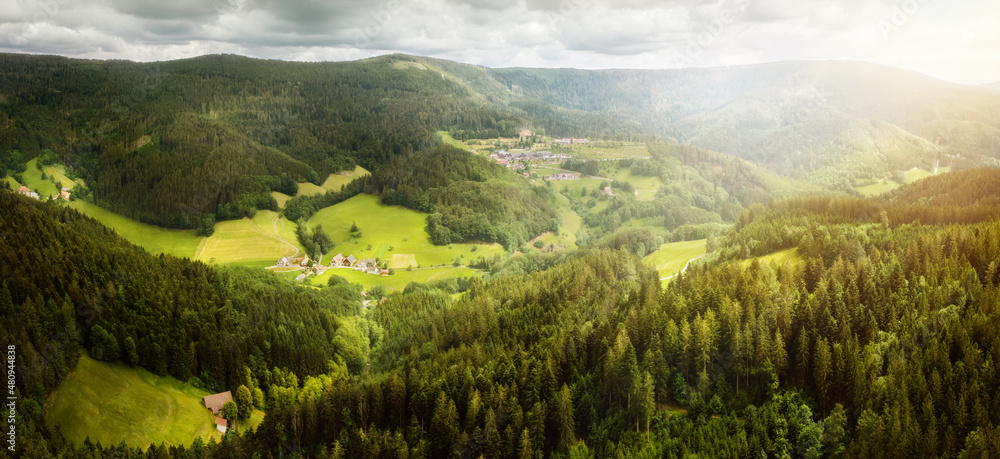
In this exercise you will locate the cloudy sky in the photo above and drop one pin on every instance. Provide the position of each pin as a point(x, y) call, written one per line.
point(956, 40)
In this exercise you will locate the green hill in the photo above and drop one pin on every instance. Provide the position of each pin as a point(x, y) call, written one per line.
point(112, 403)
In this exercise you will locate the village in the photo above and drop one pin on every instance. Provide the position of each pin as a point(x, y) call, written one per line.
point(367, 265)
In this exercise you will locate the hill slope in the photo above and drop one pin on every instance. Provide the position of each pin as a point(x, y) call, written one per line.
point(833, 121)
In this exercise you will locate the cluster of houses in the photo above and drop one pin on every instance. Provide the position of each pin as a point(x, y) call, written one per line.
point(64, 193)
point(515, 160)
point(214, 404)
point(367, 265)
point(562, 176)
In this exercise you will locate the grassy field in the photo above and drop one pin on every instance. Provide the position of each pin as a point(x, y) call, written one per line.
point(672, 257)
point(335, 181)
point(917, 174)
point(308, 189)
point(609, 150)
point(112, 403)
point(389, 231)
point(397, 281)
point(448, 139)
point(249, 241)
point(282, 198)
point(156, 240)
point(45, 188)
point(645, 186)
point(875, 189)
point(886, 185)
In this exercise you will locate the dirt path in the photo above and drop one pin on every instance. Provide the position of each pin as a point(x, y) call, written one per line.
point(682, 271)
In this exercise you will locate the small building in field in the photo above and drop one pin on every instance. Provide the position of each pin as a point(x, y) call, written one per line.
point(284, 262)
point(350, 261)
point(385, 272)
point(64, 194)
point(304, 262)
point(214, 402)
point(24, 190)
point(607, 192)
point(221, 424)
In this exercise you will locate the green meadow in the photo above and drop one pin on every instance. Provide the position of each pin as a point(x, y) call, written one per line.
point(309, 189)
point(448, 139)
point(335, 181)
point(645, 187)
point(875, 189)
point(608, 150)
point(671, 258)
point(387, 231)
point(154, 239)
point(398, 280)
point(913, 175)
point(251, 242)
point(112, 403)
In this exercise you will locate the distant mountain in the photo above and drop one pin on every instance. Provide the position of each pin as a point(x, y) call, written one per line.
point(828, 122)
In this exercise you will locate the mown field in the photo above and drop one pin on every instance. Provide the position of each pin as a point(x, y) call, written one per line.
point(335, 181)
point(252, 242)
point(390, 230)
point(607, 150)
point(156, 240)
point(113, 403)
point(671, 257)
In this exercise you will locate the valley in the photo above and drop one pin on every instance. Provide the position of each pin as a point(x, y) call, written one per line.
point(795, 259)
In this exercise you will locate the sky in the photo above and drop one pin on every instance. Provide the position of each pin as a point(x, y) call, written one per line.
point(955, 40)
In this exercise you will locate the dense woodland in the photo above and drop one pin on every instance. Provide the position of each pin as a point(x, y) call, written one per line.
point(170, 143)
point(469, 197)
point(880, 342)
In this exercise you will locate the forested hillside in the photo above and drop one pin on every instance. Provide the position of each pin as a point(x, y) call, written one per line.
point(69, 283)
point(703, 190)
point(829, 122)
point(171, 142)
point(469, 197)
point(879, 343)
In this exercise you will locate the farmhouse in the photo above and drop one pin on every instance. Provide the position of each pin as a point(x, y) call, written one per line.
point(214, 402)
point(221, 424)
point(27, 192)
point(338, 260)
point(284, 262)
point(350, 261)
point(607, 192)
point(64, 194)
point(304, 261)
